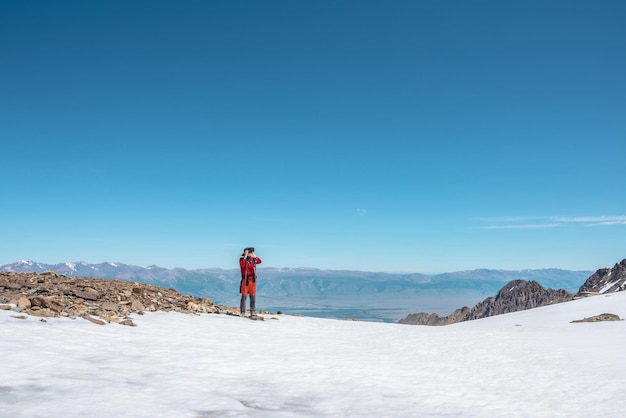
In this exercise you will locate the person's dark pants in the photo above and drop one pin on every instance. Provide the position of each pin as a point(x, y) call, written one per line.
point(242, 305)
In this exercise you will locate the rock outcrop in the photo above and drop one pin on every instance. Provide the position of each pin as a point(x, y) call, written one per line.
point(605, 281)
point(98, 300)
point(600, 318)
point(517, 295)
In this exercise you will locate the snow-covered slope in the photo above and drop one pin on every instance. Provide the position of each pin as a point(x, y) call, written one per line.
point(526, 364)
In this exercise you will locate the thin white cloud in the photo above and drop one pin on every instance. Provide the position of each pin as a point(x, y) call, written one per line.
point(609, 223)
point(361, 212)
point(594, 220)
point(531, 222)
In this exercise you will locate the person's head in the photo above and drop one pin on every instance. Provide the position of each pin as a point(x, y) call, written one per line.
point(248, 251)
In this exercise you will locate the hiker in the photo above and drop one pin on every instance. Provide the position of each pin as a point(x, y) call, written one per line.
point(248, 262)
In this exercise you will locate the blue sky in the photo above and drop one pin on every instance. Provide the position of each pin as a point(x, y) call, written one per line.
point(400, 136)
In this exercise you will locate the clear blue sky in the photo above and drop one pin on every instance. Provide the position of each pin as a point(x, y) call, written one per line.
point(400, 136)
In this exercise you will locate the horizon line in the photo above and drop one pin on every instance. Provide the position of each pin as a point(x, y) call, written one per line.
point(429, 274)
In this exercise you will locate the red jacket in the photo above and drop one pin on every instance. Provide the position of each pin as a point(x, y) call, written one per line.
point(249, 267)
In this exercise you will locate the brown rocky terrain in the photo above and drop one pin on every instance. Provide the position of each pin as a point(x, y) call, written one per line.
point(98, 300)
point(517, 295)
point(605, 280)
point(600, 318)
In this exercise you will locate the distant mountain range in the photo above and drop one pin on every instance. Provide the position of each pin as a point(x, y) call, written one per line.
point(210, 283)
point(307, 287)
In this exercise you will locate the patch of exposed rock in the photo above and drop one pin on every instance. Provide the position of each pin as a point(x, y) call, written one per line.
point(600, 318)
point(98, 300)
point(605, 281)
point(517, 295)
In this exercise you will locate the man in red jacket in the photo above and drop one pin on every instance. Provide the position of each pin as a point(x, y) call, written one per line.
point(248, 262)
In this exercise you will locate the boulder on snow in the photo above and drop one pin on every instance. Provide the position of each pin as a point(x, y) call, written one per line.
point(600, 318)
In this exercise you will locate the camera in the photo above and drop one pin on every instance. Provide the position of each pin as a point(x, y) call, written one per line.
point(249, 249)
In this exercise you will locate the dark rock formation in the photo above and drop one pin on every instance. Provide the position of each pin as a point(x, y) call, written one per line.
point(605, 280)
point(600, 318)
point(517, 295)
point(98, 300)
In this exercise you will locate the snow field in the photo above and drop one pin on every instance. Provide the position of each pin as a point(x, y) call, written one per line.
point(526, 364)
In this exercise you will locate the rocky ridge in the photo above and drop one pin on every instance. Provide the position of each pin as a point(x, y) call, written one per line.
point(517, 295)
point(98, 300)
point(606, 280)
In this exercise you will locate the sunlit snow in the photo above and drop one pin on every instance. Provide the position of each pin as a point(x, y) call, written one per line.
point(526, 364)
point(608, 286)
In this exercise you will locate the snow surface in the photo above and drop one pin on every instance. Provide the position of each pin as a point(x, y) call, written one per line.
point(526, 364)
point(608, 286)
